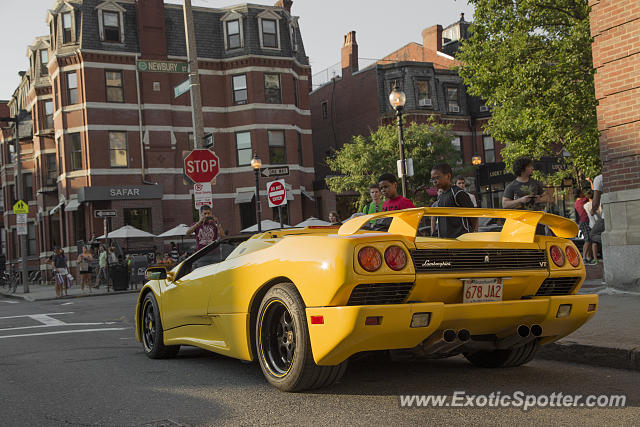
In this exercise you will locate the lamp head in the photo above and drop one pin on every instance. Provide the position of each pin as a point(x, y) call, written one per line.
point(397, 98)
point(256, 163)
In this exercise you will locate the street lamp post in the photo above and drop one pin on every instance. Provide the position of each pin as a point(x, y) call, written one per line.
point(397, 100)
point(476, 161)
point(256, 164)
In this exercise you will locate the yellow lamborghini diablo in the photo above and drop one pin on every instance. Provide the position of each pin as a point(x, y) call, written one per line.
point(302, 301)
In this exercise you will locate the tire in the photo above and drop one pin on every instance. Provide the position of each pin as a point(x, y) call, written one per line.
point(283, 346)
point(152, 335)
point(515, 356)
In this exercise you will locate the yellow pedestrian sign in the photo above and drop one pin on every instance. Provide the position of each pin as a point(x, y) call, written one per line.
point(20, 207)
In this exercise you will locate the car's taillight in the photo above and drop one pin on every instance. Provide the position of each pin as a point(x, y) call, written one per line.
point(572, 256)
point(557, 256)
point(369, 258)
point(395, 258)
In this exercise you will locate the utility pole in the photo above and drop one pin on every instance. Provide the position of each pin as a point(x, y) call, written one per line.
point(194, 78)
point(19, 192)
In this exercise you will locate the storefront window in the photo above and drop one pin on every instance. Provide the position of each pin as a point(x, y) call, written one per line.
point(139, 218)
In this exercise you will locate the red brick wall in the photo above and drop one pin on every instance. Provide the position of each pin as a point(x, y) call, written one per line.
point(615, 27)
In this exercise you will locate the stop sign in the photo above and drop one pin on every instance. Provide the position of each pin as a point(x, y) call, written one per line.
point(276, 193)
point(201, 165)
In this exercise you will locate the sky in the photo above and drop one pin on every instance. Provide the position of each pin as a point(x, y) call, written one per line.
point(381, 27)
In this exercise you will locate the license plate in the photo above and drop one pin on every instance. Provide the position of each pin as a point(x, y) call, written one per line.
point(482, 290)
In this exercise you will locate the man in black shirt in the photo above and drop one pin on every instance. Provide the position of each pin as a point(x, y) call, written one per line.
point(524, 192)
point(452, 197)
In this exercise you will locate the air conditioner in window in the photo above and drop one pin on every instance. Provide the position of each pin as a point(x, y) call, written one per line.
point(426, 102)
point(483, 108)
point(454, 108)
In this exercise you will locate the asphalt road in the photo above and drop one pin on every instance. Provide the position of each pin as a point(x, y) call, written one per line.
point(77, 363)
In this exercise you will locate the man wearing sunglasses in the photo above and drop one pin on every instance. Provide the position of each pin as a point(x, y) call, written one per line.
point(452, 197)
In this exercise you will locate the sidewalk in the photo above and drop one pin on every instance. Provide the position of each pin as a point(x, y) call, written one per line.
point(611, 338)
point(48, 292)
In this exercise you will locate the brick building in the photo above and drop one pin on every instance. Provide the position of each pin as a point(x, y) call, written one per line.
point(615, 27)
point(356, 103)
point(105, 135)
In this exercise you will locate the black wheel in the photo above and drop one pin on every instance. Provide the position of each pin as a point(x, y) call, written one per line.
point(283, 345)
point(151, 326)
point(504, 358)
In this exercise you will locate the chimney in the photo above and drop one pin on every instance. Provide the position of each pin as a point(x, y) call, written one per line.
point(432, 38)
point(285, 4)
point(151, 29)
point(350, 52)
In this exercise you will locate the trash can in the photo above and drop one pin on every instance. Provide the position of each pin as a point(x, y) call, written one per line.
point(119, 277)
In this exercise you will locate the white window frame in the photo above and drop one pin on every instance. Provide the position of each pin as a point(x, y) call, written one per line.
point(234, 89)
point(232, 16)
point(271, 16)
point(110, 6)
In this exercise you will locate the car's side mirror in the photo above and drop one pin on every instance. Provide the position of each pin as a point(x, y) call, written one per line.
point(155, 273)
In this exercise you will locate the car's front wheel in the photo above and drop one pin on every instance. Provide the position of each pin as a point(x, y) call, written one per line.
point(151, 327)
point(283, 344)
point(515, 356)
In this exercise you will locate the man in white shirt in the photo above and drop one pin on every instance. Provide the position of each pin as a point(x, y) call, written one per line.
point(597, 193)
point(460, 182)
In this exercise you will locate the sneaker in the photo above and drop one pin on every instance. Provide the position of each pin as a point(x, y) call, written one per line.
point(590, 261)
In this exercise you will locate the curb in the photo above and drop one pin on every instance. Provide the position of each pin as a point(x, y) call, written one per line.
point(608, 357)
point(30, 298)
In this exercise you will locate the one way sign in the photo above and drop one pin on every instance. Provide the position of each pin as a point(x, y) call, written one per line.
point(275, 171)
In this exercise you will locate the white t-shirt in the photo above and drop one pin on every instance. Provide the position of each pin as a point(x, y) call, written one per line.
point(592, 218)
point(597, 183)
point(473, 199)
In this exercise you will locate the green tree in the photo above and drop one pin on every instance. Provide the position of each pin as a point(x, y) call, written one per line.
point(530, 60)
point(360, 162)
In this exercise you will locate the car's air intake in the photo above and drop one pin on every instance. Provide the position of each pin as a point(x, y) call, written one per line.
point(557, 286)
point(439, 260)
point(380, 293)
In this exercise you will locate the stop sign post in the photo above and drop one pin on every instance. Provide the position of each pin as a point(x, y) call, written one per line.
point(277, 196)
point(201, 165)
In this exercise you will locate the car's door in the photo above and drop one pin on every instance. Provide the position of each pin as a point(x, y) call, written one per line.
point(184, 299)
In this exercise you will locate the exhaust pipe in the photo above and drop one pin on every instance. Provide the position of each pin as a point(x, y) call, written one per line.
point(445, 343)
point(536, 330)
point(464, 335)
point(520, 337)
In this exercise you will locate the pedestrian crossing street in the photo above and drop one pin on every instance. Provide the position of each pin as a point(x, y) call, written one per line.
point(40, 324)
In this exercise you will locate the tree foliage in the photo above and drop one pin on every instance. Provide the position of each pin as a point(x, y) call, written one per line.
point(359, 163)
point(530, 60)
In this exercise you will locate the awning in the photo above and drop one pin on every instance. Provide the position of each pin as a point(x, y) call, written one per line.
point(72, 205)
point(244, 196)
point(55, 209)
point(308, 195)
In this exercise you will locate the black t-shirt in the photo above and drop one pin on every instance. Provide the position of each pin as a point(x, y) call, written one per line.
point(452, 227)
point(517, 189)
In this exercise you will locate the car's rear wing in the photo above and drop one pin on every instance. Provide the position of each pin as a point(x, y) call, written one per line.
point(519, 226)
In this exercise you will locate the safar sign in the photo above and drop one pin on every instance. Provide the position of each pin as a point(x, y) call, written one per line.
point(119, 192)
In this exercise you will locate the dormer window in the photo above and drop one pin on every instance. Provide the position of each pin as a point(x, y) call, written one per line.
point(66, 27)
point(111, 22)
point(233, 30)
point(233, 34)
point(453, 103)
point(111, 25)
point(44, 60)
point(268, 23)
point(269, 34)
